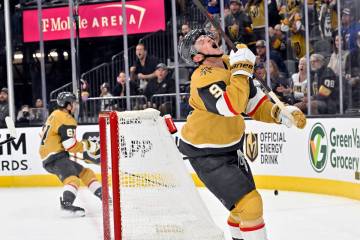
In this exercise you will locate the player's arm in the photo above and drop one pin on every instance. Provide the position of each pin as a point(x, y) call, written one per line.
point(223, 100)
point(87, 150)
point(259, 106)
point(67, 135)
point(230, 100)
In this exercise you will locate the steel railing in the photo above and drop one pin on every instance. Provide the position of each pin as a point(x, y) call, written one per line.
point(90, 109)
point(165, 103)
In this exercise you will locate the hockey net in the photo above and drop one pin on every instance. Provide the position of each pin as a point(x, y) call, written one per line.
point(147, 190)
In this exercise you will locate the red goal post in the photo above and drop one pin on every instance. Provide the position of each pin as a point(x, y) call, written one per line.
point(147, 190)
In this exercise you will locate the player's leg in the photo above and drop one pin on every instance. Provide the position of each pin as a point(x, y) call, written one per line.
point(228, 179)
point(88, 177)
point(65, 170)
point(249, 212)
point(234, 227)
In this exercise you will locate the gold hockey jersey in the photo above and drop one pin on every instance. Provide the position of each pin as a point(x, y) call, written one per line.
point(298, 44)
point(59, 135)
point(257, 15)
point(218, 99)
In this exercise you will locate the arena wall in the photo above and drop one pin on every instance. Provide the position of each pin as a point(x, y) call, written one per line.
point(323, 158)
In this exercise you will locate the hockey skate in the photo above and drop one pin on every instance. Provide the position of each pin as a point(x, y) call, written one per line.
point(70, 210)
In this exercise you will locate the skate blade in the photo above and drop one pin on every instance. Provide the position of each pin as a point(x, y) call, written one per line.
point(72, 214)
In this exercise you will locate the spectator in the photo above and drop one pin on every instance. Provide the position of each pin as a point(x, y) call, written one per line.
point(120, 90)
point(255, 9)
point(299, 81)
point(185, 107)
point(350, 28)
point(161, 85)
point(39, 103)
point(279, 84)
point(260, 75)
point(261, 56)
point(185, 28)
point(213, 6)
point(238, 24)
point(278, 40)
point(352, 76)
point(328, 19)
point(334, 62)
point(38, 112)
point(106, 104)
point(24, 116)
point(181, 5)
point(260, 72)
point(274, 16)
point(345, 27)
point(84, 90)
point(325, 95)
point(4, 106)
point(85, 107)
point(144, 68)
point(292, 25)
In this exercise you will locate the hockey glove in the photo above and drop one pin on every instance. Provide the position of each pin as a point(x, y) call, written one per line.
point(91, 153)
point(298, 118)
point(242, 61)
point(89, 158)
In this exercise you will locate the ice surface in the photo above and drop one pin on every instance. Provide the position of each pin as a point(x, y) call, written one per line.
point(33, 214)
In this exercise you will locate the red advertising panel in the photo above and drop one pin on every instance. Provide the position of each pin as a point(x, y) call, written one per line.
point(96, 20)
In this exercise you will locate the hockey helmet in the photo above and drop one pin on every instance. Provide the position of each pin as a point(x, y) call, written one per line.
point(186, 46)
point(65, 98)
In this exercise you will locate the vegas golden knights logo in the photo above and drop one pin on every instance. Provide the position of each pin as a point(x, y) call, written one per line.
point(251, 145)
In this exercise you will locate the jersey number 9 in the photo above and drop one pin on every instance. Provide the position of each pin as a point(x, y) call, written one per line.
point(216, 91)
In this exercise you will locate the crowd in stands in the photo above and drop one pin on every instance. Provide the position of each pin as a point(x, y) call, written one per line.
point(26, 115)
point(245, 23)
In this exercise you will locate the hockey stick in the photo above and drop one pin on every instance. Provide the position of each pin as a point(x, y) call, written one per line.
point(75, 157)
point(228, 41)
point(11, 128)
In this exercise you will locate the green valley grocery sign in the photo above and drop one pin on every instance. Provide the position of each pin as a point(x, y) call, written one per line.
point(340, 147)
point(318, 147)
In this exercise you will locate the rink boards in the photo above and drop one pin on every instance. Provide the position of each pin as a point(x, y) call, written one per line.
point(322, 158)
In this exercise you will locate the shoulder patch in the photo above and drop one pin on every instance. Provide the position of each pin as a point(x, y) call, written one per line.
point(205, 70)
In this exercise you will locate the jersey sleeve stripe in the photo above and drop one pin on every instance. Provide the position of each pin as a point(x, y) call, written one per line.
point(223, 108)
point(228, 103)
point(263, 99)
point(69, 143)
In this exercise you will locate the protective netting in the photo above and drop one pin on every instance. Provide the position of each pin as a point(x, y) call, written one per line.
point(158, 199)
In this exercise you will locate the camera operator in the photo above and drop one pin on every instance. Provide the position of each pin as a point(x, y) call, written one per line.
point(25, 115)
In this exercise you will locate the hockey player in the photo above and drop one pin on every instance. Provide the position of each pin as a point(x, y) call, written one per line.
point(58, 141)
point(220, 92)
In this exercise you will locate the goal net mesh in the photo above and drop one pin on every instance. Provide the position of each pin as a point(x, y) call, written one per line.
point(146, 177)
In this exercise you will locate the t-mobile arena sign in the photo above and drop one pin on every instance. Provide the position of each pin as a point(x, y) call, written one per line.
point(96, 20)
